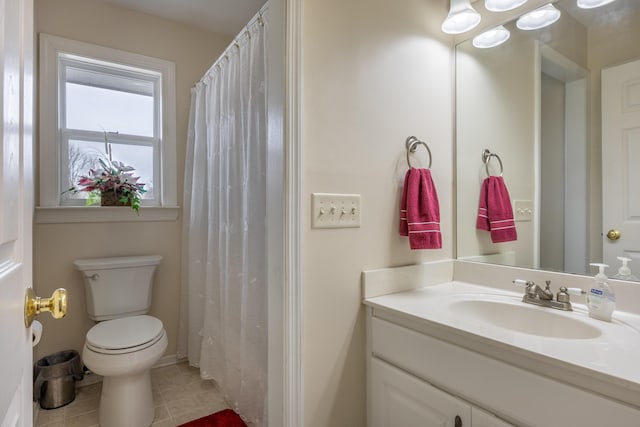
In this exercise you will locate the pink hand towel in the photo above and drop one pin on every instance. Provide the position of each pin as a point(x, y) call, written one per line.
point(404, 227)
point(499, 211)
point(482, 223)
point(422, 209)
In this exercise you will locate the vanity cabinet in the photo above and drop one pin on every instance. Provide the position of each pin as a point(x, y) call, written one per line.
point(399, 399)
point(421, 373)
point(480, 418)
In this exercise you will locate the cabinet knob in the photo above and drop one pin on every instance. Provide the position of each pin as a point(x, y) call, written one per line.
point(458, 421)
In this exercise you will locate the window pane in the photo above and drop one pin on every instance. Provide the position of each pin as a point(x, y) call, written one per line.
point(84, 155)
point(100, 107)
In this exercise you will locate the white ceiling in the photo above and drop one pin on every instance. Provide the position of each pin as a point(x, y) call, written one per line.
point(225, 17)
point(612, 12)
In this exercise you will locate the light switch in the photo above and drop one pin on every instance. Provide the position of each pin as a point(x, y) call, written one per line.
point(335, 210)
point(522, 210)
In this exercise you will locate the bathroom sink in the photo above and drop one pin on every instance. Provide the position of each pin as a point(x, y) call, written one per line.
point(526, 319)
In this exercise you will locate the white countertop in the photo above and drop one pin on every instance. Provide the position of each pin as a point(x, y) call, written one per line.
point(612, 358)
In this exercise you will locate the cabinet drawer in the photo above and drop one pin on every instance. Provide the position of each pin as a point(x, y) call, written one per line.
point(513, 393)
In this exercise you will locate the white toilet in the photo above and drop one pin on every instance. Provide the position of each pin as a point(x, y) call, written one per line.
point(126, 343)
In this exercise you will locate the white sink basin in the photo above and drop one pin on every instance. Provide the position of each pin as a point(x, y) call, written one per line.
point(524, 318)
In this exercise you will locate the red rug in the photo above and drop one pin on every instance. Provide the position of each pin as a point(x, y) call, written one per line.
point(224, 418)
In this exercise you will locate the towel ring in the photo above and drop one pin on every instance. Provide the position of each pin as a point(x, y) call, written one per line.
point(412, 144)
point(486, 158)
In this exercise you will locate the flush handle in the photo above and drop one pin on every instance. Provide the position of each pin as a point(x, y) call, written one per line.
point(34, 305)
point(613, 235)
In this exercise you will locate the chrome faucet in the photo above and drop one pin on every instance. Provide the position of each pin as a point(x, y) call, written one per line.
point(535, 295)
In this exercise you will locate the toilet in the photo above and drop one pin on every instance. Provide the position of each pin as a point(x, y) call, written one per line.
point(126, 342)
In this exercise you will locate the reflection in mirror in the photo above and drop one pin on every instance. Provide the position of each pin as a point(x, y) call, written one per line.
point(561, 107)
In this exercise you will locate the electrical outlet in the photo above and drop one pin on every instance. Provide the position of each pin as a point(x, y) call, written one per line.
point(522, 210)
point(335, 210)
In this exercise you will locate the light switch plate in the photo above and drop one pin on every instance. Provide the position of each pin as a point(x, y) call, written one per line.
point(335, 210)
point(522, 210)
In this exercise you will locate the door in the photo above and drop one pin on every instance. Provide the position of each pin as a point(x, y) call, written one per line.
point(16, 208)
point(620, 160)
point(400, 399)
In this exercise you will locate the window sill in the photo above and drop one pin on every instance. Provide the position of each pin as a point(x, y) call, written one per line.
point(79, 214)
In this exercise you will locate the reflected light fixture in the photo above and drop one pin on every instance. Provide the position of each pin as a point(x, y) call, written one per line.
point(538, 18)
point(590, 4)
point(491, 38)
point(503, 5)
point(462, 17)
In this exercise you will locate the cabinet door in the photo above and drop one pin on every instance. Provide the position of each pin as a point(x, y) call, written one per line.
point(402, 400)
point(481, 418)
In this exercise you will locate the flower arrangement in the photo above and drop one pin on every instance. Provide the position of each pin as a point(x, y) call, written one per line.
point(113, 184)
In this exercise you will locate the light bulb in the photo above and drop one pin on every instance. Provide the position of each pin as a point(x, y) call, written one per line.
point(590, 4)
point(538, 18)
point(462, 17)
point(502, 5)
point(491, 38)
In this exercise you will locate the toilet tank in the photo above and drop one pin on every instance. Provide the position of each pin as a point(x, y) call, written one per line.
point(118, 287)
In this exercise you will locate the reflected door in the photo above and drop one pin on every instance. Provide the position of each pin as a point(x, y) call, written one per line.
point(16, 209)
point(620, 160)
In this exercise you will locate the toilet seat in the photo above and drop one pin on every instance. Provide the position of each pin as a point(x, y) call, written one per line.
point(124, 335)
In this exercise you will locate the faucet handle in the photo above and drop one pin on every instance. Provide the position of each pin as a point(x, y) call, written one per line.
point(522, 282)
point(562, 295)
point(530, 287)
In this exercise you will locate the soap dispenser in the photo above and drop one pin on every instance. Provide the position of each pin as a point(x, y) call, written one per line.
point(624, 272)
point(601, 300)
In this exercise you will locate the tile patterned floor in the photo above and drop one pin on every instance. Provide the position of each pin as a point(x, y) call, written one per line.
point(178, 392)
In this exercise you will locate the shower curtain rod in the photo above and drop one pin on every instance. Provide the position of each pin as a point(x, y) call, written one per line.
point(234, 43)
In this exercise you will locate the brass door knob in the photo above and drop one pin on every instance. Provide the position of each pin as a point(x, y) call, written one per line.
point(613, 234)
point(34, 305)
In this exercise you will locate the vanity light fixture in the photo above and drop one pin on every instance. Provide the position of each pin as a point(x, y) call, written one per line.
point(462, 17)
point(590, 4)
point(538, 18)
point(502, 5)
point(491, 38)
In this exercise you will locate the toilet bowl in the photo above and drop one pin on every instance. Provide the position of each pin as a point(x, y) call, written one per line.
point(123, 352)
point(125, 343)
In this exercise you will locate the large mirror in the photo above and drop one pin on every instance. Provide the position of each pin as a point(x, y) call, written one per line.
point(559, 109)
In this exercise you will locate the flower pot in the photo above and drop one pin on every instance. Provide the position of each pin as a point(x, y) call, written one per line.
point(111, 198)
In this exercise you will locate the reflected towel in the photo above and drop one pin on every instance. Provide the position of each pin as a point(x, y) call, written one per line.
point(495, 205)
point(482, 223)
point(422, 209)
point(404, 227)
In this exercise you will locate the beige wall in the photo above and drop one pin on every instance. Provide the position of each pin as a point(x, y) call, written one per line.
point(552, 161)
point(57, 245)
point(374, 73)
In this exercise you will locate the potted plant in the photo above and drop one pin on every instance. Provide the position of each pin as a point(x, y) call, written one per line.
point(113, 184)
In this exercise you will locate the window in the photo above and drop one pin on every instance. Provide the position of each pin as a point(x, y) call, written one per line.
point(100, 103)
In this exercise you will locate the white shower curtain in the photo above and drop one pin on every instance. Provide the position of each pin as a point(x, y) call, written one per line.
point(223, 316)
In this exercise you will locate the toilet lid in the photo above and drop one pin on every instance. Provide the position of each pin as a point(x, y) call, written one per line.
point(124, 333)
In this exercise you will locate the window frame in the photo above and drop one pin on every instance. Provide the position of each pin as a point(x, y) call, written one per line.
point(53, 50)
